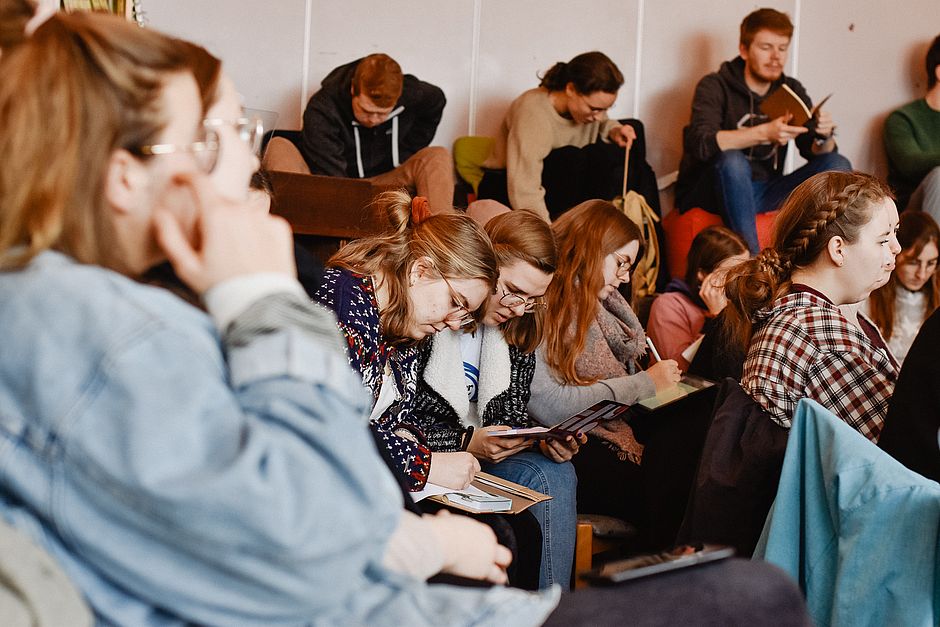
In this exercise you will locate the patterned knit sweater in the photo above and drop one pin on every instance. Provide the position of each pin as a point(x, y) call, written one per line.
point(352, 297)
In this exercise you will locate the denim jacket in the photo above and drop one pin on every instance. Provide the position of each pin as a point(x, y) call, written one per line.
point(182, 477)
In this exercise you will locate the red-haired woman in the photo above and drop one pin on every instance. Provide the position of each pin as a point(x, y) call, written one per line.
point(593, 341)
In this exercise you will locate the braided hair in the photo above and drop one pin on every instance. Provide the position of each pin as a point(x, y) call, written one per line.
point(827, 205)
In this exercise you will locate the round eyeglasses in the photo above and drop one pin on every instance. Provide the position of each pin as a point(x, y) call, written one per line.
point(623, 265)
point(460, 305)
point(512, 300)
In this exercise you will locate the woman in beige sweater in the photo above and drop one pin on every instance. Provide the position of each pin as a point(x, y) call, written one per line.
point(567, 111)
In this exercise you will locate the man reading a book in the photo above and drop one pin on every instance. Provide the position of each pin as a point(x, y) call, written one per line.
point(912, 141)
point(734, 153)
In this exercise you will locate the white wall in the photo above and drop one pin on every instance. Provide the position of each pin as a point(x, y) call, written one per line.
point(483, 53)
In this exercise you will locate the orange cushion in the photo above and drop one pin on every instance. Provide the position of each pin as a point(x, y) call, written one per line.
point(765, 228)
point(680, 230)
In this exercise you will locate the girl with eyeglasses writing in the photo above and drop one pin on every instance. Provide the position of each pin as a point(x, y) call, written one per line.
point(593, 344)
point(390, 292)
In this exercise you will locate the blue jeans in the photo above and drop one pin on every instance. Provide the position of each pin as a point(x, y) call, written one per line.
point(557, 516)
point(742, 198)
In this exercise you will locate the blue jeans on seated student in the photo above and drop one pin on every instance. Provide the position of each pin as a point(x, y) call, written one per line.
point(742, 198)
point(558, 516)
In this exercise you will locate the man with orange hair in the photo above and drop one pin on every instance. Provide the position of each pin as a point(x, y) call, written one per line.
point(370, 121)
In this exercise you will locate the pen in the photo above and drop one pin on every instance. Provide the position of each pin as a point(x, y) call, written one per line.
point(653, 350)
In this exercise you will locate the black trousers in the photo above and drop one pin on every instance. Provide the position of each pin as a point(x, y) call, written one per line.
point(570, 176)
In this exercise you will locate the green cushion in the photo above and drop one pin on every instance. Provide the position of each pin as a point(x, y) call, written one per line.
point(470, 152)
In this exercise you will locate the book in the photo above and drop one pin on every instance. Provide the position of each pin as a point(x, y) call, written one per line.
point(478, 500)
point(486, 493)
point(582, 422)
point(784, 101)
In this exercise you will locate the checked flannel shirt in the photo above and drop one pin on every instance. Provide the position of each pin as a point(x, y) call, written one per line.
point(803, 347)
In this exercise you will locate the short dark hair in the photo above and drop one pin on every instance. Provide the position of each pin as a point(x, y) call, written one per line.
point(379, 78)
point(933, 60)
point(765, 19)
point(589, 72)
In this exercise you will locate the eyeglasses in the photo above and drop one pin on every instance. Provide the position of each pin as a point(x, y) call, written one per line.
point(204, 151)
point(249, 129)
point(511, 300)
point(460, 304)
point(591, 106)
point(623, 265)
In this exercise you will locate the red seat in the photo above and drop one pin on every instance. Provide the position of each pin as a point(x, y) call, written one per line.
point(765, 228)
point(681, 228)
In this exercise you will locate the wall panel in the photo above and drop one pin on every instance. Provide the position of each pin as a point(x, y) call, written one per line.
point(869, 54)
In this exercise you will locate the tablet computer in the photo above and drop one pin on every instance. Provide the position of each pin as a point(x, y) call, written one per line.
point(688, 385)
point(656, 563)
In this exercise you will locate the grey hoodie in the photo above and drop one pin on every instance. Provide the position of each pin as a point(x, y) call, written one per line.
point(723, 102)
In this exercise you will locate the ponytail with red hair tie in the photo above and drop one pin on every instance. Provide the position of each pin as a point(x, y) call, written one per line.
point(420, 210)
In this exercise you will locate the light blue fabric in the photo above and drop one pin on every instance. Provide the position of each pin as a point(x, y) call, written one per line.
point(558, 516)
point(178, 479)
point(854, 527)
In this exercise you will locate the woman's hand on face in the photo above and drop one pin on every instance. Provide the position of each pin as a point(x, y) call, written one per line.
point(665, 374)
point(712, 292)
point(470, 548)
point(227, 238)
point(495, 449)
point(453, 470)
point(560, 451)
point(623, 135)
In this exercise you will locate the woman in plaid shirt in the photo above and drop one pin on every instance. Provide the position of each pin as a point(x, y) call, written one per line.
point(835, 242)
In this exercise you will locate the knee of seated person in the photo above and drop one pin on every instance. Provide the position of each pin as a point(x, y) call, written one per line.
point(435, 154)
point(830, 161)
point(733, 162)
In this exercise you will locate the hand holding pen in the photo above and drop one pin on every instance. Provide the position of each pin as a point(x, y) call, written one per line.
point(665, 372)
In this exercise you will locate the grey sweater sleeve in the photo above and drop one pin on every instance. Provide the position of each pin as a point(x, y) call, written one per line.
point(552, 401)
